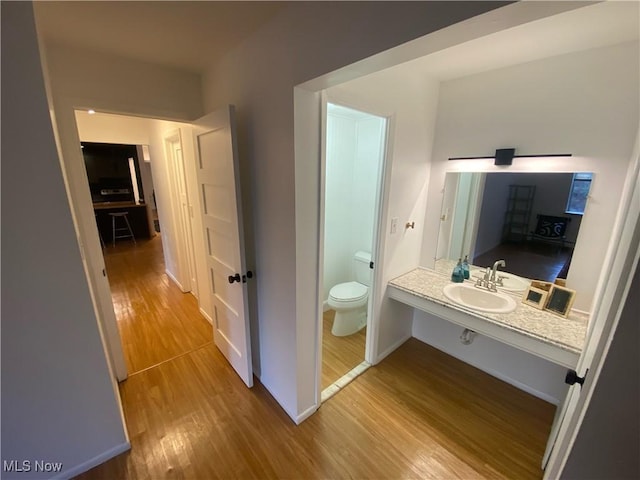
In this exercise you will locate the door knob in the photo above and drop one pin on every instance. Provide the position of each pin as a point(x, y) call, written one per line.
point(572, 378)
point(234, 278)
point(248, 275)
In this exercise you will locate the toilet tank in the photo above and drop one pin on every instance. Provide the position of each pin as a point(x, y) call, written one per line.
point(362, 272)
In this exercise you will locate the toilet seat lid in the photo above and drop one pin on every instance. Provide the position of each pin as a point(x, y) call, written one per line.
point(349, 291)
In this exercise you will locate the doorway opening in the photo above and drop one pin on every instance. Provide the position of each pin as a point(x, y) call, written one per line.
point(355, 145)
point(151, 273)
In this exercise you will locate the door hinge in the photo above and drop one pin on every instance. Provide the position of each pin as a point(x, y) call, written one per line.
point(572, 378)
point(371, 265)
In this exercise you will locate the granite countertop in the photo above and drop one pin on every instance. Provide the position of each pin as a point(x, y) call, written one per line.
point(566, 333)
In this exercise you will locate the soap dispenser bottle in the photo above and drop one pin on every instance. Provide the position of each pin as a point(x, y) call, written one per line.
point(457, 276)
point(465, 267)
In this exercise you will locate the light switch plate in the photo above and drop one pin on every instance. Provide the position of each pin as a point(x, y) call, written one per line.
point(394, 225)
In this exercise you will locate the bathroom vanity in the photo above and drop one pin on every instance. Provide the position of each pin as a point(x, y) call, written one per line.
point(538, 332)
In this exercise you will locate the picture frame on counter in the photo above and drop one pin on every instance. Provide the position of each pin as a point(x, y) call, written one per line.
point(551, 297)
point(560, 300)
point(535, 297)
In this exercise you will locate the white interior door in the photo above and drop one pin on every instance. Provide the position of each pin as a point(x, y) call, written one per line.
point(186, 213)
point(219, 190)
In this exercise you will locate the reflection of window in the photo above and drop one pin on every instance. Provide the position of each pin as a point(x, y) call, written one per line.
point(579, 191)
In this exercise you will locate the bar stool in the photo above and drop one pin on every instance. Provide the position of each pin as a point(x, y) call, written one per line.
point(99, 234)
point(126, 228)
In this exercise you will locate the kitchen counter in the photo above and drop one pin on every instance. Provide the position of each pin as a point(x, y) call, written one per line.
point(138, 219)
point(539, 332)
point(116, 205)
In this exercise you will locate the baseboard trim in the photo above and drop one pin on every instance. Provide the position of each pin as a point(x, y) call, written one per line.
point(205, 315)
point(306, 414)
point(391, 349)
point(175, 280)
point(296, 418)
point(93, 462)
point(291, 415)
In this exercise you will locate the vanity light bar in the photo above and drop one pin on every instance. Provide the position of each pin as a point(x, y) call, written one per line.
point(505, 156)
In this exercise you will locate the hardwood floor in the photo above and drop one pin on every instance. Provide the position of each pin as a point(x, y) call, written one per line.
point(418, 414)
point(340, 355)
point(156, 320)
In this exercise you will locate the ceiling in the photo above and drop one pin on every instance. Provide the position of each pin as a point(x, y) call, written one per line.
point(172, 33)
point(168, 33)
point(594, 26)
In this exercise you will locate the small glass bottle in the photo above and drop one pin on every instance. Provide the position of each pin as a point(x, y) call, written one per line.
point(457, 276)
point(465, 267)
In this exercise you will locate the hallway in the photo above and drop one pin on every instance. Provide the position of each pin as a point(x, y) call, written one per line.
point(157, 322)
point(418, 414)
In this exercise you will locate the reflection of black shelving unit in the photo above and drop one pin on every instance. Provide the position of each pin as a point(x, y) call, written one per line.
point(518, 214)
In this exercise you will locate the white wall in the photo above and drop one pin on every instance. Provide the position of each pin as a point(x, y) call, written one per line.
point(338, 234)
point(584, 103)
point(370, 151)
point(59, 401)
point(355, 147)
point(119, 85)
point(532, 374)
point(305, 40)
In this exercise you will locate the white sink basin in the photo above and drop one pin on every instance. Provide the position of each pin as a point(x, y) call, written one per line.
point(479, 299)
point(513, 283)
point(510, 282)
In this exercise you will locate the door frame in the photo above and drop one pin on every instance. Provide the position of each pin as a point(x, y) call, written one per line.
point(80, 204)
point(183, 236)
point(382, 201)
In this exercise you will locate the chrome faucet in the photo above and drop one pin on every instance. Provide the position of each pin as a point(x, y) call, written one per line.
point(494, 271)
point(491, 279)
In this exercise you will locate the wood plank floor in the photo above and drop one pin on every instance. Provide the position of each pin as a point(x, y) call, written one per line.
point(418, 414)
point(156, 320)
point(340, 355)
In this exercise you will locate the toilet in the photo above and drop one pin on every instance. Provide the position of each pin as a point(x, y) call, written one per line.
point(350, 299)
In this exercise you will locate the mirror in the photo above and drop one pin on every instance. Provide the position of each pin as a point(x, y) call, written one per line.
point(519, 217)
